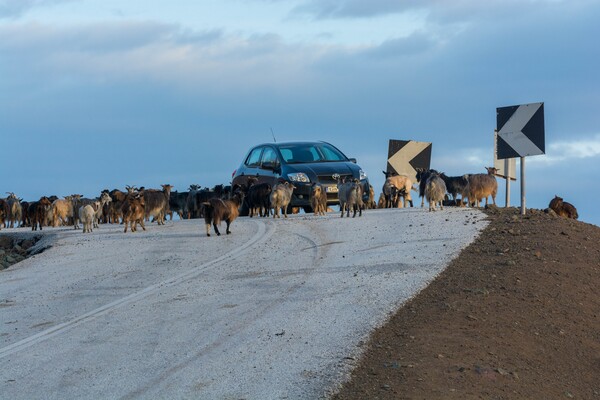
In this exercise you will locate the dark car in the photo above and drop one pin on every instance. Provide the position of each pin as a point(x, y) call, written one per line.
point(301, 163)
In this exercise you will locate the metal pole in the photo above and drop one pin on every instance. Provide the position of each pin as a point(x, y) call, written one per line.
point(507, 173)
point(523, 186)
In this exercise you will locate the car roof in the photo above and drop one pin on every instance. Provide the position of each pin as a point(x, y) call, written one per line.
point(291, 143)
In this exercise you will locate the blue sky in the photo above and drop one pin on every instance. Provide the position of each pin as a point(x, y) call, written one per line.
point(102, 94)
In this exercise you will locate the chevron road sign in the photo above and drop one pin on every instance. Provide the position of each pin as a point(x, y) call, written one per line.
point(405, 156)
point(520, 131)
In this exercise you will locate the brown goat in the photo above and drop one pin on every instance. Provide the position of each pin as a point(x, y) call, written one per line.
point(481, 186)
point(157, 203)
point(15, 210)
point(216, 210)
point(134, 211)
point(318, 199)
point(563, 208)
point(62, 210)
point(37, 212)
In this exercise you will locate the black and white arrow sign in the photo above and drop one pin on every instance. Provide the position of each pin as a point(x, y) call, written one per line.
point(405, 156)
point(520, 130)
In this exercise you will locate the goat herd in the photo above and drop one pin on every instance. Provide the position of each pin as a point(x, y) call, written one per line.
point(223, 203)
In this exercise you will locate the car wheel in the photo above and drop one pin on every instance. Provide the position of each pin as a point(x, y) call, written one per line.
point(307, 209)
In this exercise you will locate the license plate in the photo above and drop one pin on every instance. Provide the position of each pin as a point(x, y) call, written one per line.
point(331, 189)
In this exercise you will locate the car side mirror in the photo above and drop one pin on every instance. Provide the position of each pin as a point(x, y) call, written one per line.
point(272, 166)
point(352, 160)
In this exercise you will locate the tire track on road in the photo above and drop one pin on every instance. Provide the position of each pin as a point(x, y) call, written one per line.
point(264, 232)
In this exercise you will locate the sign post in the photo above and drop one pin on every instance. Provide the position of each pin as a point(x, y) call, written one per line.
point(521, 133)
point(507, 169)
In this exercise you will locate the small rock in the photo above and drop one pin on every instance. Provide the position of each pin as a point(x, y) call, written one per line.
point(5, 242)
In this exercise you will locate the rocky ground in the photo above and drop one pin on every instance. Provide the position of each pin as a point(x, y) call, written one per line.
point(15, 248)
point(515, 316)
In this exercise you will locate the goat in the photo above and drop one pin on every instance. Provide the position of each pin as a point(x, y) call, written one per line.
point(134, 211)
point(350, 195)
point(192, 205)
point(381, 201)
point(435, 191)
point(25, 220)
point(258, 199)
point(371, 204)
point(15, 210)
point(422, 176)
point(281, 196)
point(115, 207)
point(3, 213)
point(87, 215)
point(62, 210)
point(318, 199)
point(104, 200)
point(400, 182)
point(178, 204)
point(157, 203)
point(481, 186)
point(456, 185)
point(37, 212)
point(563, 208)
point(216, 210)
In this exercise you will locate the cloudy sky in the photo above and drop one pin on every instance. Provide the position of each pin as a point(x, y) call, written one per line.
point(101, 94)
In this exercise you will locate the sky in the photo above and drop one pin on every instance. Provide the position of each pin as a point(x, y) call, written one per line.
point(99, 94)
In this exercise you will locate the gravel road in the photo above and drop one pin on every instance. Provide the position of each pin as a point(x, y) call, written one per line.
point(277, 310)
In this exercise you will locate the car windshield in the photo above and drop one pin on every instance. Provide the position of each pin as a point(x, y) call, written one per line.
point(309, 153)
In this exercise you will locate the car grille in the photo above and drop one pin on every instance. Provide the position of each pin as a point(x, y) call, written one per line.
point(328, 179)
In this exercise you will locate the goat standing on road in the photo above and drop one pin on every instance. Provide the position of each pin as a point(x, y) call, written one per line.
point(216, 210)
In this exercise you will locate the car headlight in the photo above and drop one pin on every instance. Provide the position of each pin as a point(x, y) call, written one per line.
point(363, 174)
point(298, 177)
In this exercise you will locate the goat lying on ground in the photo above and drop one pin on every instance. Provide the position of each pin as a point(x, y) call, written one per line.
point(563, 208)
point(281, 197)
point(216, 210)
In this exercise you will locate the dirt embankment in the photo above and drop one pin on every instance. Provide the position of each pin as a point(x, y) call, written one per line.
point(515, 316)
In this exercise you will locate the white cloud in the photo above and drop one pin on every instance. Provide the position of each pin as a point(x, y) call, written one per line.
point(563, 151)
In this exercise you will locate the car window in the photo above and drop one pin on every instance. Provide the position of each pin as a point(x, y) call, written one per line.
point(253, 159)
point(269, 156)
point(331, 154)
point(286, 153)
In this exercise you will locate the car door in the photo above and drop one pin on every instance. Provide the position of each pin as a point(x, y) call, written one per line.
point(270, 165)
